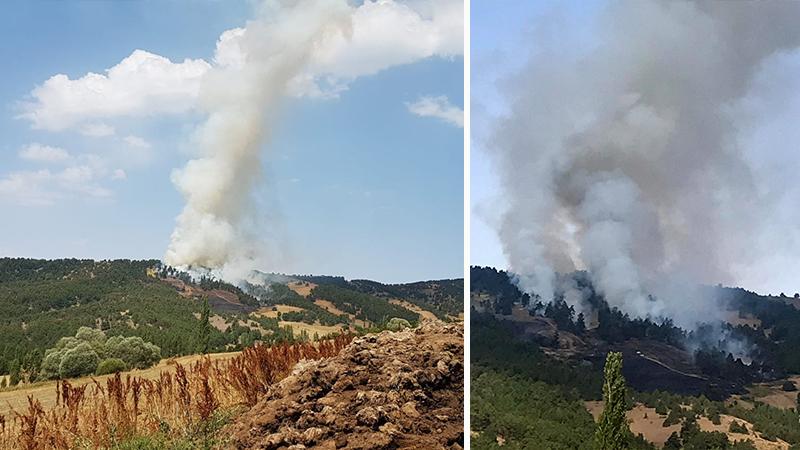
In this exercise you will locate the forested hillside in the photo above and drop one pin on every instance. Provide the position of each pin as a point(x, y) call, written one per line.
point(685, 391)
point(42, 301)
point(444, 298)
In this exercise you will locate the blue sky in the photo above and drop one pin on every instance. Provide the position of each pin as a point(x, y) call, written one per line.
point(356, 185)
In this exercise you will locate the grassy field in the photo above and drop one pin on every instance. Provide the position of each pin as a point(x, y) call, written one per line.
point(17, 398)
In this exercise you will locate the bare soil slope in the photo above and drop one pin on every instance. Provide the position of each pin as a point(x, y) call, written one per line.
point(390, 390)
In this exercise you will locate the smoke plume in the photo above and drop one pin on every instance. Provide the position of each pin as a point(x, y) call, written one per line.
point(626, 159)
point(241, 95)
point(295, 48)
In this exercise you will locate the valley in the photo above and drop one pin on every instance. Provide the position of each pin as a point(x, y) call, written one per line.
point(685, 390)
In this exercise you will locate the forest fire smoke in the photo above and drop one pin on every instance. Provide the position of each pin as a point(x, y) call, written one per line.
point(241, 95)
point(626, 159)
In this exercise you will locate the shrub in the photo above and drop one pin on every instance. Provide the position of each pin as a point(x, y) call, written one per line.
point(743, 445)
point(94, 337)
point(73, 356)
point(51, 363)
point(79, 361)
point(110, 365)
point(134, 351)
point(397, 324)
point(738, 427)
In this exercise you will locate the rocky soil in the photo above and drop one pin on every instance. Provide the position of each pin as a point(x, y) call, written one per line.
point(384, 391)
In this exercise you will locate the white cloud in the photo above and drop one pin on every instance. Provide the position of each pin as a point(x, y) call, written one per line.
point(387, 33)
point(98, 129)
point(136, 141)
point(43, 153)
point(141, 84)
point(383, 34)
point(438, 107)
point(43, 187)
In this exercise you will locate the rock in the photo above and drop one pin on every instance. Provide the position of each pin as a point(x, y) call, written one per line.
point(410, 409)
point(368, 416)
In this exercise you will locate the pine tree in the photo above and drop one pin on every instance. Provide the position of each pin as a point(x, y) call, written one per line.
point(674, 442)
point(580, 324)
point(204, 338)
point(612, 430)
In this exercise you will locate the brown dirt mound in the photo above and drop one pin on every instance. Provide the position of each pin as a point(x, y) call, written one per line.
point(383, 391)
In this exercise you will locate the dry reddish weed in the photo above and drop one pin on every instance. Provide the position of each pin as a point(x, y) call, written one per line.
point(101, 414)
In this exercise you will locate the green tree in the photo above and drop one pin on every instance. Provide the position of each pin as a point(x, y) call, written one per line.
point(613, 429)
point(133, 350)
point(14, 373)
point(674, 442)
point(110, 365)
point(204, 332)
point(81, 360)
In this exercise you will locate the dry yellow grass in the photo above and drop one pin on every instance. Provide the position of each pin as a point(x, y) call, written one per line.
point(331, 308)
point(423, 314)
point(181, 401)
point(267, 311)
point(651, 426)
point(303, 288)
point(754, 437)
point(748, 320)
point(45, 392)
point(642, 420)
point(775, 395)
point(321, 330)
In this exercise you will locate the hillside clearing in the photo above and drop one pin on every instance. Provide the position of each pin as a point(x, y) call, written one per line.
point(272, 311)
point(773, 394)
point(320, 330)
point(302, 288)
point(423, 314)
point(645, 421)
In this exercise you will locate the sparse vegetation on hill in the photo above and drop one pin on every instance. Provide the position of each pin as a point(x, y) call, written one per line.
point(526, 399)
point(42, 301)
point(441, 297)
point(362, 306)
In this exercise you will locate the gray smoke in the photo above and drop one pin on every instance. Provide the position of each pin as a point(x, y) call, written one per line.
point(625, 160)
point(241, 96)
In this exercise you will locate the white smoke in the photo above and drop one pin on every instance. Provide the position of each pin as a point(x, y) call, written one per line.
point(630, 153)
point(294, 48)
point(241, 97)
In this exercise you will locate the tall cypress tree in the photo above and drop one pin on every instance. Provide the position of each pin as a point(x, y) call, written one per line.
point(612, 430)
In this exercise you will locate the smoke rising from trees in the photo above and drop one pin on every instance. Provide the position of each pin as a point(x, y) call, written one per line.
point(629, 160)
